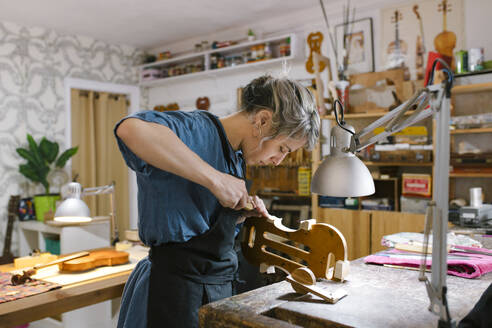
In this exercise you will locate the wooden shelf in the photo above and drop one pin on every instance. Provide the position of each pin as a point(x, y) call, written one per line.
point(205, 57)
point(470, 175)
point(281, 194)
point(396, 164)
point(468, 131)
point(470, 88)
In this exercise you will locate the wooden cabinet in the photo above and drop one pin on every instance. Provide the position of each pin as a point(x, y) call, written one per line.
point(470, 139)
point(386, 223)
point(363, 230)
point(354, 225)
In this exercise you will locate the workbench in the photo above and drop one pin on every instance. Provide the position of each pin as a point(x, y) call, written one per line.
point(61, 300)
point(377, 297)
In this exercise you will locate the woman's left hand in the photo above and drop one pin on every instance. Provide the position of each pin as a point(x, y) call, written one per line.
point(259, 209)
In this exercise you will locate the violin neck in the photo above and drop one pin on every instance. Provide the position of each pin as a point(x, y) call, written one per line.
point(444, 21)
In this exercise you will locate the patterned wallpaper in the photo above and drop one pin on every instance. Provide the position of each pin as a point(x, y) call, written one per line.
point(33, 64)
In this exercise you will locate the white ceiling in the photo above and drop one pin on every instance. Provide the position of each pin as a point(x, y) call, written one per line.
point(145, 23)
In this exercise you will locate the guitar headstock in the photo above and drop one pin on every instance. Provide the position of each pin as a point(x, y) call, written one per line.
point(396, 17)
point(416, 11)
point(13, 205)
point(444, 6)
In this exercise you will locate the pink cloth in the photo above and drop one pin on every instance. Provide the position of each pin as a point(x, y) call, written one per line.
point(466, 265)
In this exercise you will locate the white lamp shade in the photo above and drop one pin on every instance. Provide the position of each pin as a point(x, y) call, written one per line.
point(342, 176)
point(73, 210)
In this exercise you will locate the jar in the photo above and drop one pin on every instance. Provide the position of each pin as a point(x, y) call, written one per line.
point(198, 47)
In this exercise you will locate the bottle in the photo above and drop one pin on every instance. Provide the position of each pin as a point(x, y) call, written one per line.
point(268, 51)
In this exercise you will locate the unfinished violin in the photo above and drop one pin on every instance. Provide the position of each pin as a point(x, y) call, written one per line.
point(318, 246)
point(97, 258)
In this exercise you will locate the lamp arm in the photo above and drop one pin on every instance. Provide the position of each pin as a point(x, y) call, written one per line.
point(107, 189)
point(432, 95)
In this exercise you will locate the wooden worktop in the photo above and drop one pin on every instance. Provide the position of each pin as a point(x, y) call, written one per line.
point(377, 297)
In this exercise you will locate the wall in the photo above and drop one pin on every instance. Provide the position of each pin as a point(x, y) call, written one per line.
point(221, 89)
point(33, 64)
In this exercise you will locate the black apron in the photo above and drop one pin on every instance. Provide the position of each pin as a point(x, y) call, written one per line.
point(185, 276)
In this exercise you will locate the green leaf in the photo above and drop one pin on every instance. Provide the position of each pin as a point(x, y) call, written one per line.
point(62, 160)
point(49, 150)
point(24, 153)
point(29, 172)
point(33, 146)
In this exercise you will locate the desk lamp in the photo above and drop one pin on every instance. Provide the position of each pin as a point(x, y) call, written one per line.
point(342, 174)
point(74, 210)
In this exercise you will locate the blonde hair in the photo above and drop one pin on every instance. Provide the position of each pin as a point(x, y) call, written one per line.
point(293, 106)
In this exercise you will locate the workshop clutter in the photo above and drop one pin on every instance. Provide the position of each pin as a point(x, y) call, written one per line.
point(408, 145)
point(292, 177)
point(416, 185)
point(220, 54)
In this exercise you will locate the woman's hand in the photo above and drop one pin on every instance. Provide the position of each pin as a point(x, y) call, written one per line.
point(259, 210)
point(230, 191)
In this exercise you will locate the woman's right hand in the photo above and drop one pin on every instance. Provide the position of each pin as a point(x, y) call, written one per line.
point(230, 191)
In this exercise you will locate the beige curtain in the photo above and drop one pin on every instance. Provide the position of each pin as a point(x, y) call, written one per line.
point(98, 161)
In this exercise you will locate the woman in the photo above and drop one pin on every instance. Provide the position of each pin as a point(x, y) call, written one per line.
point(191, 192)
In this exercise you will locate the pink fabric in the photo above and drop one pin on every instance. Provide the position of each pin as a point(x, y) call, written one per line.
point(466, 265)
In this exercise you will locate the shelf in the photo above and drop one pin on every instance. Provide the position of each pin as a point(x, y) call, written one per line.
point(467, 131)
point(470, 175)
point(470, 88)
point(205, 57)
point(367, 163)
point(281, 194)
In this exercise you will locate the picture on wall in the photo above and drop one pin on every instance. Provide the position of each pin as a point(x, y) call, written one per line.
point(359, 45)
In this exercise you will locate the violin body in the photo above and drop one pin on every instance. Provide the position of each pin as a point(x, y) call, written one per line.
point(445, 42)
point(97, 258)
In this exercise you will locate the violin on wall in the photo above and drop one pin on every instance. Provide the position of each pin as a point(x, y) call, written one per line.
point(445, 41)
point(397, 49)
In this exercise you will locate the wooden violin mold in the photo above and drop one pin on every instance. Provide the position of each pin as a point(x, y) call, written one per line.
point(318, 246)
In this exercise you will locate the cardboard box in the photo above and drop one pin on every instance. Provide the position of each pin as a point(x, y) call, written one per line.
point(414, 204)
point(416, 185)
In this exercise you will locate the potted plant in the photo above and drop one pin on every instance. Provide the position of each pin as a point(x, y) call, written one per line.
point(43, 159)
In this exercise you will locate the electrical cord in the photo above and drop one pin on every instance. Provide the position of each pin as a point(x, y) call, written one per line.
point(342, 122)
point(446, 69)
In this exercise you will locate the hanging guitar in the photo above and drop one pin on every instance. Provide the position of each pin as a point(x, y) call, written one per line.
point(420, 47)
point(7, 256)
point(397, 49)
point(445, 41)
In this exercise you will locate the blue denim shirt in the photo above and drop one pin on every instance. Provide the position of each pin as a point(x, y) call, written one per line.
point(171, 208)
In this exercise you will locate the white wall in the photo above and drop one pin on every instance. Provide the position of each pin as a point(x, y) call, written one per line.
point(222, 89)
point(478, 25)
point(34, 62)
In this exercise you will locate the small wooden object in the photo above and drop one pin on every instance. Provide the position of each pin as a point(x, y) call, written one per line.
point(303, 282)
point(314, 41)
point(320, 245)
point(203, 103)
point(97, 258)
